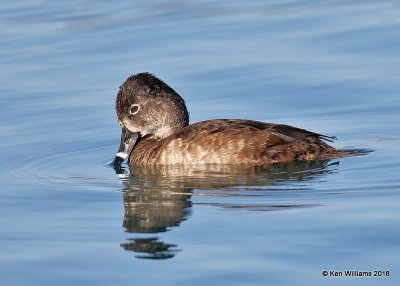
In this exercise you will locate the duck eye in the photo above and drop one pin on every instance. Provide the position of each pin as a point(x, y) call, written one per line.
point(134, 109)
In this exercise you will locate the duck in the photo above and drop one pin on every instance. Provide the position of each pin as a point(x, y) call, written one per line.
point(156, 131)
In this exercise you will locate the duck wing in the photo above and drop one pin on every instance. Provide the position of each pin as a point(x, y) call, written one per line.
point(286, 132)
point(297, 133)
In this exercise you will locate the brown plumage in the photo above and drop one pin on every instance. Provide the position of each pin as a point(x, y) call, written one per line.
point(156, 117)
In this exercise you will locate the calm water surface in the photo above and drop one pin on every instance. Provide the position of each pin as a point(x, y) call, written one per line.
point(67, 218)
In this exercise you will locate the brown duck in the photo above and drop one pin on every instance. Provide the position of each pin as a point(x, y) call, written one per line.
point(156, 131)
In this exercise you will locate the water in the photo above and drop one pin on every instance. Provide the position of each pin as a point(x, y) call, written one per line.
point(67, 218)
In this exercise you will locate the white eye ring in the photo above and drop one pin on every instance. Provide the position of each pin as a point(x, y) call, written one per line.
point(134, 109)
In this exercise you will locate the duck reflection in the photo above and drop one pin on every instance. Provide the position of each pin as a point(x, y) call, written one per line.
point(150, 248)
point(159, 198)
point(153, 209)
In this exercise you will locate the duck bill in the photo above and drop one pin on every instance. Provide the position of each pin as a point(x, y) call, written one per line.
point(128, 140)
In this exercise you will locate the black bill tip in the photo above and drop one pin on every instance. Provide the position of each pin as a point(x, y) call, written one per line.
point(118, 159)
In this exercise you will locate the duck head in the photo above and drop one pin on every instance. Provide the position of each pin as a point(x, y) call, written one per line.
point(147, 107)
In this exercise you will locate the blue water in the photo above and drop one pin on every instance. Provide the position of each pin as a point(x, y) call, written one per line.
point(67, 218)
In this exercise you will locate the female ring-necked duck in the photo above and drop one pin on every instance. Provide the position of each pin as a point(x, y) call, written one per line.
point(156, 131)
